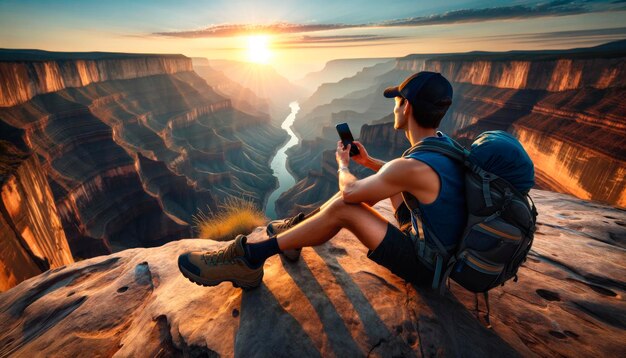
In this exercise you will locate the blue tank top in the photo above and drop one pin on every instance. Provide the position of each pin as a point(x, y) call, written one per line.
point(447, 215)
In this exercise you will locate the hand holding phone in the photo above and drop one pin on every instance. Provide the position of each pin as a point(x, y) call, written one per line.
point(346, 138)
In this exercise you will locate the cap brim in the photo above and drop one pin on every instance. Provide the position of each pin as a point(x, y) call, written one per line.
point(392, 92)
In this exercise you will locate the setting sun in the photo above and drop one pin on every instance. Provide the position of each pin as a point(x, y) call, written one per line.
point(258, 49)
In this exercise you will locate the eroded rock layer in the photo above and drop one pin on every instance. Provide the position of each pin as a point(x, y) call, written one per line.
point(569, 301)
point(132, 156)
point(31, 72)
point(31, 236)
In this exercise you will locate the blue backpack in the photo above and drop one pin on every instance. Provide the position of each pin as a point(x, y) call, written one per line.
point(501, 220)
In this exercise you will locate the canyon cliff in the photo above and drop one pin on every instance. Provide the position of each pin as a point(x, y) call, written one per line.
point(566, 107)
point(333, 302)
point(32, 237)
point(132, 146)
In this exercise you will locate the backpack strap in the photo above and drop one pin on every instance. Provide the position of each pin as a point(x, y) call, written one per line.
point(442, 259)
point(458, 153)
point(450, 149)
point(441, 252)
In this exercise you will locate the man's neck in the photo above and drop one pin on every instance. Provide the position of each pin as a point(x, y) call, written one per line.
point(416, 134)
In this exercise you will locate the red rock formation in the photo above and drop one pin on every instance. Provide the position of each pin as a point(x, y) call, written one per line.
point(538, 71)
point(383, 140)
point(333, 302)
point(31, 236)
point(48, 72)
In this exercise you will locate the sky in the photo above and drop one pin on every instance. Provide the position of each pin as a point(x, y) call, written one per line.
point(301, 35)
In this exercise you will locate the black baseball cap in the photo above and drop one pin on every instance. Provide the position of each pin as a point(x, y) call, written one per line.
point(423, 89)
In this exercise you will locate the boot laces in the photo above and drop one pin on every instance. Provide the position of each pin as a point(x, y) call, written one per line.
point(222, 256)
point(287, 223)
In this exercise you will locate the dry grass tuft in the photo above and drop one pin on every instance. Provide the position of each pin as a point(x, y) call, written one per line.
point(235, 216)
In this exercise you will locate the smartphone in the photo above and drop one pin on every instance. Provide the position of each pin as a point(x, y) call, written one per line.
point(346, 138)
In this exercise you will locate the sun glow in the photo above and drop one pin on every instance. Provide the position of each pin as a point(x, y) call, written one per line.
point(258, 49)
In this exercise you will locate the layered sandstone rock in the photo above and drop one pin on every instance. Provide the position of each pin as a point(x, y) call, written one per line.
point(31, 236)
point(133, 153)
point(29, 73)
point(555, 71)
point(333, 302)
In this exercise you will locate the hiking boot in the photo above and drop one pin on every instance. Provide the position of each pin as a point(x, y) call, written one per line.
point(210, 268)
point(276, 227)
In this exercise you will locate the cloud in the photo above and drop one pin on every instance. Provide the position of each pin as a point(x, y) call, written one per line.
point(336, 39)
point(619, 32)
point(227, 30)
point(556, 39)
point(552, 8)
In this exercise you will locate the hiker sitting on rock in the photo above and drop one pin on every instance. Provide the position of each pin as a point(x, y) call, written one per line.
point(421, 101)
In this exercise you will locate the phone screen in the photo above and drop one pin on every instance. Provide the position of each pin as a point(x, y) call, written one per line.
point(346, 138)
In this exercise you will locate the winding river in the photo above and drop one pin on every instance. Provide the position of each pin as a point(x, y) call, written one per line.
point(279, 163)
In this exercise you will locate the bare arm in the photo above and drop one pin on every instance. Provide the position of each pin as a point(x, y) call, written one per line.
point(393, 178)
point(374, 164)
point(365, 159)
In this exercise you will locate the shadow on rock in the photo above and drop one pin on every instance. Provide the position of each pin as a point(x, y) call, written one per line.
point(266, 329)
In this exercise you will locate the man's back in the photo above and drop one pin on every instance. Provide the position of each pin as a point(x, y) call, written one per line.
point(447, 214)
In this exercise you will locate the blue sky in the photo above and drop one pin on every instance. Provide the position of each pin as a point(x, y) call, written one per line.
point(311, 32)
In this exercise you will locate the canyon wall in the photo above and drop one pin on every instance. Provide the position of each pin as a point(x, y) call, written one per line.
point(133, 150)
point(566, 107)
point(554, 75)
point(32, 239)
point(44, 72)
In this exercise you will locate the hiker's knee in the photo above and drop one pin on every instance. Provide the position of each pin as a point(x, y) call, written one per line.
point(341, 211)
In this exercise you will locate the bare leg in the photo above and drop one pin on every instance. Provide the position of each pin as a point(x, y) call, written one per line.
point(394, 199)
point(363, 221)
point(329, 201)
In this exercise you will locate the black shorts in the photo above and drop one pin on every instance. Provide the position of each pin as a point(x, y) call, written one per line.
point(397, 252)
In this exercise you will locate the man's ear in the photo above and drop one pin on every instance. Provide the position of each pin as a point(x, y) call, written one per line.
point(407, 109)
